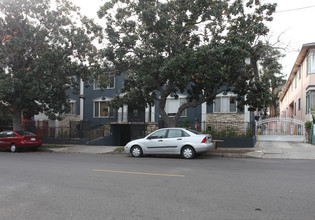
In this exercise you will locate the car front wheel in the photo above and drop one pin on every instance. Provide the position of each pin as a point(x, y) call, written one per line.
point(188, 152)
point(136, 151)
point(13, 148)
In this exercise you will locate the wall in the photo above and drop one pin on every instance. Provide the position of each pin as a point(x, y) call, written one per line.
point(227, 122)
point(294, 93)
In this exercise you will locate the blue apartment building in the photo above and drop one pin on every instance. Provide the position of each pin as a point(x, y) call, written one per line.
point(90, 107)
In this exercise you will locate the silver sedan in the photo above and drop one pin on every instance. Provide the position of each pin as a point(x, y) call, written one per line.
point(176, 141)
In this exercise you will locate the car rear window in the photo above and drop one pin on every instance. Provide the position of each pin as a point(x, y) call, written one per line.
point(25, 133)
point(192, 131)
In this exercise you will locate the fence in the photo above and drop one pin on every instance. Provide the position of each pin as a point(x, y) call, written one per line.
point(3, 128)
point(75, 130)
point(222, 129)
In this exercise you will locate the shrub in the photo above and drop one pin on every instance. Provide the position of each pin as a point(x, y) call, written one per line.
point(308, 125)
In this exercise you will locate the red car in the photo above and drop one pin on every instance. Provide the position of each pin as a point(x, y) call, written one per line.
point(15, 140)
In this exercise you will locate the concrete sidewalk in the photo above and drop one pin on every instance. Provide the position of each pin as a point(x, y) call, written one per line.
point(283, 150)
point(90, 149)
point(263, 150)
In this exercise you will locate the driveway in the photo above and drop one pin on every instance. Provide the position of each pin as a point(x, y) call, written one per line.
point(283, 150)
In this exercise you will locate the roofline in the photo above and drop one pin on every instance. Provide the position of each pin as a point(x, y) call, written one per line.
point(299, 60)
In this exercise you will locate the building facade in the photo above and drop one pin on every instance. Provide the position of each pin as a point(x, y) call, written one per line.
point(298, 97)
point(91, 107)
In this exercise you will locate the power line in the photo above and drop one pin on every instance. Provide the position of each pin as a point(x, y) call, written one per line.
point(295, 9)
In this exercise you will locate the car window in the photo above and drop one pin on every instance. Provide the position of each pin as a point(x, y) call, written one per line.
point(185, 134)
point(24, 133)
point(158, 134)
point(2, 134)
point(10, 134)
point(192, 131)
point(174, 133)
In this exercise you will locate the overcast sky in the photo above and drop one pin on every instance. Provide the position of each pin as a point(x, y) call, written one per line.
point(292, 23)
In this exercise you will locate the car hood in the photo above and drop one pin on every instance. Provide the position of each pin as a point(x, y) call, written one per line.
point(135, 141)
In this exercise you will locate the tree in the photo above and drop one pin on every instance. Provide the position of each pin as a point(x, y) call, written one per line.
point(43, 46)
point(193, 47)
point(262, 91)
point(273, 78)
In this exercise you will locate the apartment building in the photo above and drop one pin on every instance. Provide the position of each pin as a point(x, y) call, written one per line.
point(298, 97)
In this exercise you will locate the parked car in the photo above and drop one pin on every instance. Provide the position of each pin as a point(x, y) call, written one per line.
point(15, 140)
point(176, 141)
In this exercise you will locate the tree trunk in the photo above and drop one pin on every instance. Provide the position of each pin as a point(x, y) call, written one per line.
point(17, 119)
point(171, 123)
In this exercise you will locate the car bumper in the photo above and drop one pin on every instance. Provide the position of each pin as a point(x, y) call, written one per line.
point(127, 149)
point(29, 144)
point(204, 148)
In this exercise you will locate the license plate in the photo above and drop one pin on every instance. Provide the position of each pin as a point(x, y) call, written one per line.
point(33, 139)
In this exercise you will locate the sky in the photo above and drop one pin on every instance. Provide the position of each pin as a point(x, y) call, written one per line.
point(292, 24)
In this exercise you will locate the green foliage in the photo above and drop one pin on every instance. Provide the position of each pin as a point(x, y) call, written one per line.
point(229, 133)
point(308, 124)
point(42, 46)
point(119, 149)
point(63, 133)
point(185, 124)
point(263, 92)
point(189, 47)
point(5, 116)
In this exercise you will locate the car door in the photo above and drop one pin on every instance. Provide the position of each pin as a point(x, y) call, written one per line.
point(11, 137)
point(3, 143)
point(155, 142)
point(174, 141)
point(5, 136)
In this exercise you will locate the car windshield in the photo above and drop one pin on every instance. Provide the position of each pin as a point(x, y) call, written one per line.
point(25, 133)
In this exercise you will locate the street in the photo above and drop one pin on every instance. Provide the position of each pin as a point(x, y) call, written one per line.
point(44, 185)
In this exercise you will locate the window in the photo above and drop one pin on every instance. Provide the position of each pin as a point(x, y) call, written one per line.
point(310, 66)
point(158, 134)
point(73, 107)
point(174, 133)
point(294, 108)
point(295, 80)
point(307, 102)
point(299, 104)
point(102, 110)
point(224, 104)
point(111, 85)
point(310, 101)
point(299, 72)
point(172, 106)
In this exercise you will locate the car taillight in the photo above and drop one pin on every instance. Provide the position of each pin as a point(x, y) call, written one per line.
point(204, 140)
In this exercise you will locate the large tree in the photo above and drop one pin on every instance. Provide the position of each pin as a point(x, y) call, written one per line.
point(193, 47)
point(272, 76)
point(262, 91)
point(43, 45)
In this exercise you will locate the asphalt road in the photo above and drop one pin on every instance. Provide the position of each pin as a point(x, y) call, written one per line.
point(43, 185)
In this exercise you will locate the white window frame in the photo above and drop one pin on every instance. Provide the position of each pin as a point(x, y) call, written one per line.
point(229, 95)
point(73, 111)
point(168, 105)
point(96, 84)
point(310, 62)
point(110, 110)
point(73, 107)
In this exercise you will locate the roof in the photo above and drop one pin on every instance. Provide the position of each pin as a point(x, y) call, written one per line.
point(299, 60)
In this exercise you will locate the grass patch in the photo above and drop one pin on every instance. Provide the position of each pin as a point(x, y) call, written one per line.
point(119, 149)
point(52, 146)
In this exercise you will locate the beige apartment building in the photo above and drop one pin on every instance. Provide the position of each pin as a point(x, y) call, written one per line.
point(298, 97)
